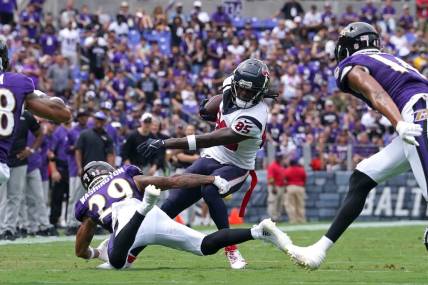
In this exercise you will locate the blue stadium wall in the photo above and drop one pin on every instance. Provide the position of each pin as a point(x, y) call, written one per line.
point(397, 199)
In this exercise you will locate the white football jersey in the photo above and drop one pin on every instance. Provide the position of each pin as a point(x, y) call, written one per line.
point(249, 122)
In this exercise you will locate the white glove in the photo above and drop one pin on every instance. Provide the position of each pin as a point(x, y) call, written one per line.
point(408, 131)
point(102, 250)
point(222, 185)
point(151, 197)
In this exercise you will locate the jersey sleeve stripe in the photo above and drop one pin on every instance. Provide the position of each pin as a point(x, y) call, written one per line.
point(254, 121)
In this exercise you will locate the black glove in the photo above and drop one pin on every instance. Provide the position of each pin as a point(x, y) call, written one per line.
point(204, 114)
point(150, 147)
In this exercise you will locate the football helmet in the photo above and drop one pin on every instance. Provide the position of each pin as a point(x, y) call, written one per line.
point(354, 37)
point(94, 172)
point(250, 82)
point(4, 57)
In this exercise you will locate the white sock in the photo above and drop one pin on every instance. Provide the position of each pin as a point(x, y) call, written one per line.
point(256, 233)
point(324, 243)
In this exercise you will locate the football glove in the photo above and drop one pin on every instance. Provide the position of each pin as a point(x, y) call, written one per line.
point(222, 185)
point(102, 250)
point(150, 147)
point(203, 113)
point(408, 131)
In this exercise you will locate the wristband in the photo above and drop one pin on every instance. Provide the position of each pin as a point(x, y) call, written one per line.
point(92, 255)
point(191, 140)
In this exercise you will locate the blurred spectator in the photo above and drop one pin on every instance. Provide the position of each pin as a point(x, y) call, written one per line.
point(68, 14)
point(7, 10)
point(94, 144)
point(388, 14)
point(363, 148)
point(328, 17)
point(295, 176)
point(290, 10)
point(49, 41)
point(69, 38)
point(276, 188)
point(348, 16)
point(369, 12)
point(58, 165)
point(60, 77)
point(135, 138)
point(219, 17)
point(30, 19)
point(406, 21)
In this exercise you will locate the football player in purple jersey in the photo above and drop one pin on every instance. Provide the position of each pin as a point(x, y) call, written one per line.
point(123, 202)
point(16, 93)
point(400, 93)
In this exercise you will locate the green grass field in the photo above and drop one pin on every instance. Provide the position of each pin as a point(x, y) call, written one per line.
point(393, 255)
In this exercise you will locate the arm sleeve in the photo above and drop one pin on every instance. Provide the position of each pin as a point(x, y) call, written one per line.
point(247, 126)
point(33, 124)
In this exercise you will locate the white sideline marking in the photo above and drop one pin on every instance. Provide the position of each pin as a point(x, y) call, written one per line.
point(288, 228)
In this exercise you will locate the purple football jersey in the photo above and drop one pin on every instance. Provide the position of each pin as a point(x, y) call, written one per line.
point(97, 202)
point(14, 88)
point(400, 80)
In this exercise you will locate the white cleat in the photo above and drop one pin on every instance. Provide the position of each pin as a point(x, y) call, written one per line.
point(271, 233)
point(309, 257)
point(235, 259)
point(108, 266)
point(102, 249)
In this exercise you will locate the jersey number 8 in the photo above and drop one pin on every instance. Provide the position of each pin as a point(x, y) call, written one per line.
point(7, 106)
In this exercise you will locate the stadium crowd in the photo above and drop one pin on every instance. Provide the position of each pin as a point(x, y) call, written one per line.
point(139, 74)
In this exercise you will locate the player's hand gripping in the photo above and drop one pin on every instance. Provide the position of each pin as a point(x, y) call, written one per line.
point(150, 147)
point(408, 131)
point(222, 185)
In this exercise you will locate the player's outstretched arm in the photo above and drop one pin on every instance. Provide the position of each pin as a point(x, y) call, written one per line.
point(362, 82)
point(83, 240)
point(186, 180)
point(222, 136)
point(52, 108)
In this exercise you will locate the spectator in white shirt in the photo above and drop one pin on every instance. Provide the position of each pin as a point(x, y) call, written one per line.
point(69, 38)
point(120, 26)
point(290, 83)
point(236, 49)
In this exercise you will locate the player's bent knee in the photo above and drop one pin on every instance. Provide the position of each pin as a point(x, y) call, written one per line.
point(117, 260)
point(360, 181)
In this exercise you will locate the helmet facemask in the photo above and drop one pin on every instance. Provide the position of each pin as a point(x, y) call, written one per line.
point(95, 172)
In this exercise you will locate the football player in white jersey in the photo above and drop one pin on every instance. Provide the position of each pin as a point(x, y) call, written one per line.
point(230, 150)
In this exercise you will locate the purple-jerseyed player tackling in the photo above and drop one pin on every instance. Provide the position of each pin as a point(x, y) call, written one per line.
point(123, 202)
point(400, 93)
point(16, 93)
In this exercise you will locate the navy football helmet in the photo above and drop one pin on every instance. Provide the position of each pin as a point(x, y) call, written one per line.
point(250, 82)
point(4, 57)
point(94, 172)
point(354, 37)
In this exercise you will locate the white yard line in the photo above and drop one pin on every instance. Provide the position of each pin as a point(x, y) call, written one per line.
point(288, 228)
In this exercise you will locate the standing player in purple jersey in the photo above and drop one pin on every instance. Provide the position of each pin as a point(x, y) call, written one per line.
point(16, 93)
point(400, 93)
point(123, 202)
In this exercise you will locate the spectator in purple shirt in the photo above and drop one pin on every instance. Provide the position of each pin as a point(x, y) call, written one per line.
point(406, 20)
point(369, 12)
point(363, 148)
point(388, 17)
point(327, 16)
point(219, 17)
point(49, 41)
point(7, 9)
point(349, 16)
point(30, 19)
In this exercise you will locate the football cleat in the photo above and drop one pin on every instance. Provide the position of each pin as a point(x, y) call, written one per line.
point(269, 232)
point(309, 257)
point(235, 258)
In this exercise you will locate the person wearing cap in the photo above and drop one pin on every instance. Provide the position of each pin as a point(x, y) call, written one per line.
point(75, 186)
point(94, 144)
point(134, 139)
